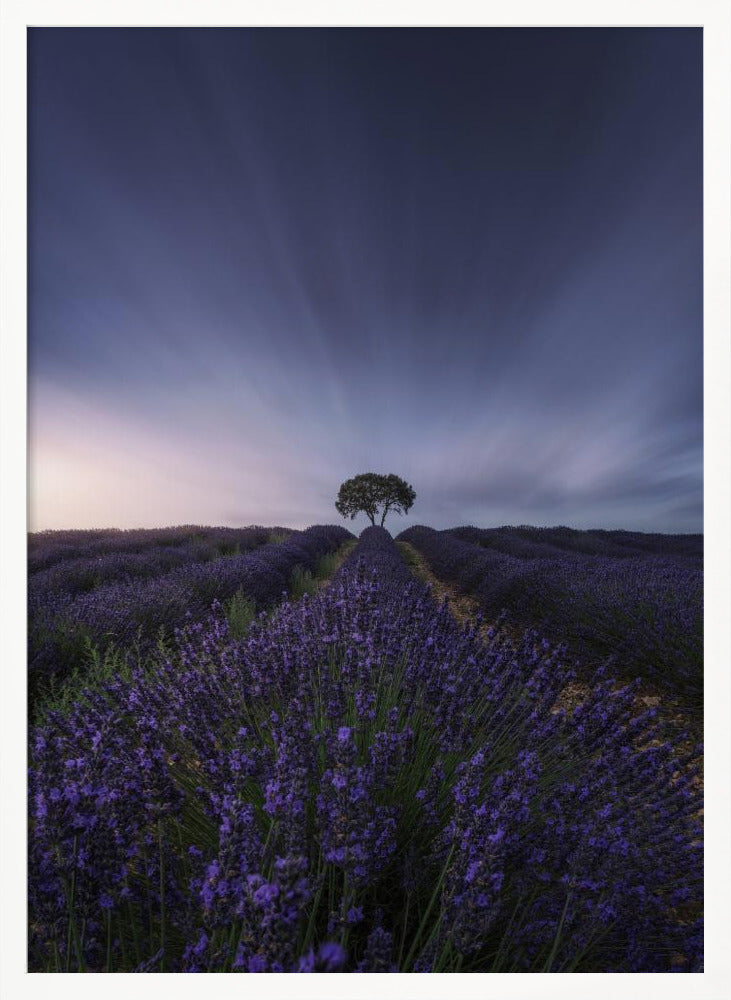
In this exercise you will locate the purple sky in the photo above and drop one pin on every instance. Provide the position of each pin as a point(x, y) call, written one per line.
point(262, 261)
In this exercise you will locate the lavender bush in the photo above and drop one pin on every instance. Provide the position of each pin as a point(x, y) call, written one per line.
point(360, 785)
point(645, 611)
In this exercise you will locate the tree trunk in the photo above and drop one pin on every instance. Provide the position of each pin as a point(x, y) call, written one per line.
point(373, 520)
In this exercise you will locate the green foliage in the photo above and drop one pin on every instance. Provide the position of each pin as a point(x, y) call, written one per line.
point(304, 582)
point(95, 670)
point(240, 612)
point(229, 549)
point(301, 582)
point(277, 537)
point(409, 556)
point(370, 493)
point(71, 646)
point(327, 565)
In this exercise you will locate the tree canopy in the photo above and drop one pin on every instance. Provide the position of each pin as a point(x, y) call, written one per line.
point(370, 493)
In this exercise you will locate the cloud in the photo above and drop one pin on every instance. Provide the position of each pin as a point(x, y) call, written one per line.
point(257, 270)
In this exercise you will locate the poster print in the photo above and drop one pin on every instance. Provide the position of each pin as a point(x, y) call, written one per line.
point(365, 565)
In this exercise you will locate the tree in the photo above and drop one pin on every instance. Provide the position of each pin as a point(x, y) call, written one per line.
point(368, 492)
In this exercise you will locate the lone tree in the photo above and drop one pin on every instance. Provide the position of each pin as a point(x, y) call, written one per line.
point(369, 492)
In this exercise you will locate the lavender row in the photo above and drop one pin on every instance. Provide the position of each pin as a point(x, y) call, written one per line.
point(48, 548)
point(75, 576)
point(545, 543)
point(646, 613)
point(377, 553)
point(360, 785)
point(507, 541)
point(125, 612)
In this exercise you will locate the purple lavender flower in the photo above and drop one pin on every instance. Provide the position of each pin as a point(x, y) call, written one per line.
point(361, 784)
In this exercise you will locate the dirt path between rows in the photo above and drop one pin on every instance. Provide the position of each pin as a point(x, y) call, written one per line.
point(464, 609)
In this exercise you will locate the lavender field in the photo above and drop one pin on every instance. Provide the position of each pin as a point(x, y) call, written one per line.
point(262, 750)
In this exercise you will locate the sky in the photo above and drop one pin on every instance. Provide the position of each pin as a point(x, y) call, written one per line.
point(264, 261)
